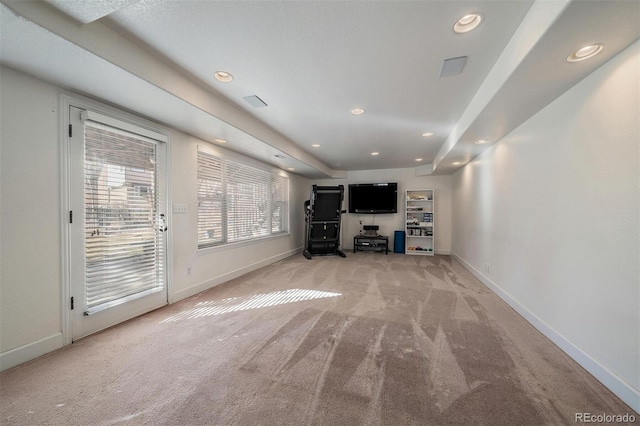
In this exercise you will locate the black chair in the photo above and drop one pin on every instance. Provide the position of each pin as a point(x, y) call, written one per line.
point(323, 212)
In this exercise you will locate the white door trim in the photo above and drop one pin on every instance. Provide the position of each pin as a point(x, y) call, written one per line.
point(67, 100)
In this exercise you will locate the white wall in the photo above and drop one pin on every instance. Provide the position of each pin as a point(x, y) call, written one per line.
point(389, 223)
point(31, 290)
point(549, 218)
point(30, 251)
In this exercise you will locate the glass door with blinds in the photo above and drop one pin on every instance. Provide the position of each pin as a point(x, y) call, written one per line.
point(117, 223)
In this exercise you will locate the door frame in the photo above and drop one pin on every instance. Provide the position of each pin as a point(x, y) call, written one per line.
point(72, 100)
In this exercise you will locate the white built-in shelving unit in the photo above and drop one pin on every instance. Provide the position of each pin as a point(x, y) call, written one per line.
point(419, 230)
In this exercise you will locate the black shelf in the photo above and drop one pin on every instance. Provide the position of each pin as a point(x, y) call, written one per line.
point(371, 243)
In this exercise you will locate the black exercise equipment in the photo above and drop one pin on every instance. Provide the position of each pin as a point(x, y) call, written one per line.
point(323, 212)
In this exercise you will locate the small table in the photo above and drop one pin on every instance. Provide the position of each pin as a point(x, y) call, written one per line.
point(373, 243)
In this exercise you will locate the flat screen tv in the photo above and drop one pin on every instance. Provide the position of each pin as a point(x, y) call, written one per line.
point(373, 198)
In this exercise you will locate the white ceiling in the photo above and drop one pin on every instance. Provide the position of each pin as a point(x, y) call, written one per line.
point(312, 62)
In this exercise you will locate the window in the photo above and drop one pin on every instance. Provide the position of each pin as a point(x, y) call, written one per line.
point(237, 202)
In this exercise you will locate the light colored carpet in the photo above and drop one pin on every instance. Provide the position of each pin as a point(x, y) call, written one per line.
point(366, 340)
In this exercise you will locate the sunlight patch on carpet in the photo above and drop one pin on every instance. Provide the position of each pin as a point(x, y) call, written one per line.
point(234, 304)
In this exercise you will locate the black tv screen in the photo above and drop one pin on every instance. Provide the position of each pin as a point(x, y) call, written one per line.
point(373, 198)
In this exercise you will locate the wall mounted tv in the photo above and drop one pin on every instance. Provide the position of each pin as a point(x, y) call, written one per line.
point(373, 198)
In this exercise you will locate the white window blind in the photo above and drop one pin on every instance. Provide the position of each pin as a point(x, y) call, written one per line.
point(279, 204)
point(123, 250)
point(247, 192)
point(237, 202)
point(210, 200)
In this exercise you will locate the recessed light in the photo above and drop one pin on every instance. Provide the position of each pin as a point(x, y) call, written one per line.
point(467, 23)
point(375, 153)
point(585, 53)
point(291, 169)
point(418, 159)
point(315, 145)
point(223, 76)
point(457, 163)
point(220, 140)
point(357, 111)
point(426, 135)
point(481, 141)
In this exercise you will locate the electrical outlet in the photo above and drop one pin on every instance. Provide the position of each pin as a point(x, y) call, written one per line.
point(188, 270)
point(487, 267)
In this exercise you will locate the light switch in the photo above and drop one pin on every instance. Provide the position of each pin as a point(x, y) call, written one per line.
point(179, 208)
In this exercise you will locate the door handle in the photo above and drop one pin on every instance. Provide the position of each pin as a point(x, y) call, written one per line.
point(162, 223)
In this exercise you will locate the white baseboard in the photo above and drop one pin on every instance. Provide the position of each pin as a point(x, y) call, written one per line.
point(30, 351)
point(442, 252)
point(624, 391)
point(206, 285)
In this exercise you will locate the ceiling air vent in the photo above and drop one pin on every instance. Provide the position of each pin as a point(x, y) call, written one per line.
point(255, 101)
point(453, 66)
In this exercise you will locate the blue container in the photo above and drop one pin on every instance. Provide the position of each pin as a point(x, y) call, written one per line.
point(398, 242)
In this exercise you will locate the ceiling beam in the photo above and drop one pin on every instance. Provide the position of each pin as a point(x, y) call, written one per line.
point(105, 43)
point(538, 20)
